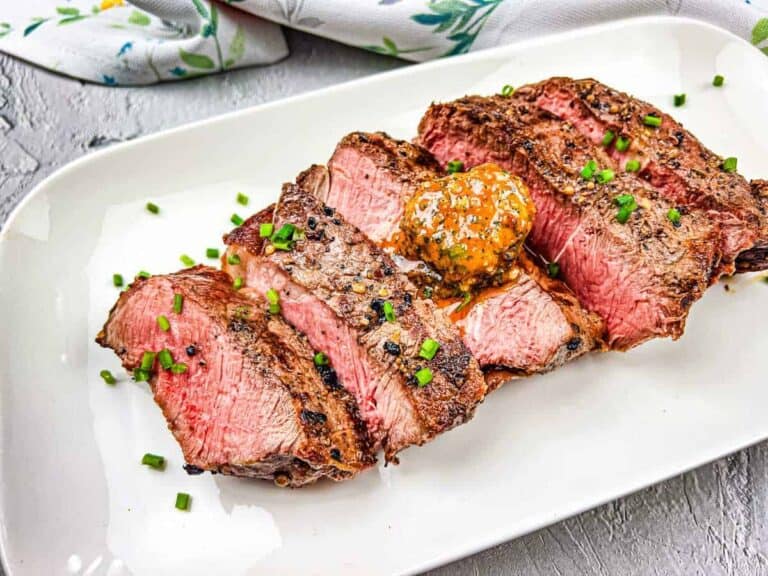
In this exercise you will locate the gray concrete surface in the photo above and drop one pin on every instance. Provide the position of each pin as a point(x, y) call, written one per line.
point(712, 521)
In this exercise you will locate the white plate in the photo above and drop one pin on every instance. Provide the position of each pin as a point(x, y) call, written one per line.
point(74, 497)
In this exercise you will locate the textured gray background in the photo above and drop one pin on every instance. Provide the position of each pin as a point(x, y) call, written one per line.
point(711, 521)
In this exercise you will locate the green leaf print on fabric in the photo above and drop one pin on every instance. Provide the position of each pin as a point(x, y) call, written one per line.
point(67, 11)
point(139, 19)
point(236, 48)
point(201, 9)
point(196, 60)
point(36, 23)
point(389, 48)
point(461, 20)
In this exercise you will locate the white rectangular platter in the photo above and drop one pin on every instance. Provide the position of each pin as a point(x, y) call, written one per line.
point(73, 497)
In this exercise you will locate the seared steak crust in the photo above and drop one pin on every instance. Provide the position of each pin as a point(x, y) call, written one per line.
point(251, 402)
point(343, 269)
point(640, 276)
point(673, 160)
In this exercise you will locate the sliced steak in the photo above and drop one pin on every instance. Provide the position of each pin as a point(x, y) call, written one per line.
point(672, 160)
point(251, 402)
point(531, 325)
point(371, 176)
point(333, 287)
point(640, 276)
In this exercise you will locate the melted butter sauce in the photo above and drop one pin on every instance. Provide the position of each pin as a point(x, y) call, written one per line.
point(469, 226)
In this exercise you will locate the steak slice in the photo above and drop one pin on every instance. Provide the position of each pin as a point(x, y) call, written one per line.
point(333, 286)
point(672, 160)
point(641, 276)
point(251, 402)
point(531, 325)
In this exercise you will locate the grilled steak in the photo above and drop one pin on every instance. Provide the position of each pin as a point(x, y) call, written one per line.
point(672, 160)
point(640, 275)
point(531, 325)
point(251, 402)
point(336, 287)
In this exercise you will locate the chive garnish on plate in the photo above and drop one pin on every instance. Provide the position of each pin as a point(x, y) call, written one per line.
point(242, 199)
point(153, 461)
point(186, 260)
point(152, 208)
point(236, 220)
point(178, 303)
point(108, 377)
point(182, 501)
point(212, 253)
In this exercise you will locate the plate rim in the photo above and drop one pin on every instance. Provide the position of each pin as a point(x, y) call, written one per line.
point(501, 535)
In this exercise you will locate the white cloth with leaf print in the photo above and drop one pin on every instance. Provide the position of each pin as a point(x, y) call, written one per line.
point(145, 41)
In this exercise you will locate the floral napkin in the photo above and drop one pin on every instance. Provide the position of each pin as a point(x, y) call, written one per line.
point(146, 41)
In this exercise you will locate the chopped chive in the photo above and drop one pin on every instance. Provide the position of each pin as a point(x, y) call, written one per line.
point(679, 100)
point(608, 138)
point(507, 90)
point(282, 245)
point(718, 81)
point(108, 377)
point(233, 259)
point(285, 233)
point(162, 321)
point(266, 229)
point(165, 358)
point(242, 199)
point(429, 348)
point(651, 120)
point(428, 292)
point(179, 368)
point(273, 298)
point(605, 176)
point(143, 274)
point(140, 375)
point(632, 166)
point(589, 170)
point(622, 144)
point(178, 303)
point(238, 283)
point(627, 204)
point(236, 220)
point(454, 166)
point(389, 311)
point(212, 253)
point(729, 164)
point(182, 501)
point(147, 361)
point(117, 280)
point(320, 359)
point(153, 461)
point(674, 216)
point(186, 260)
point(153, 208)
point(466, 299)
point(553, 269)
point(423, 377)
